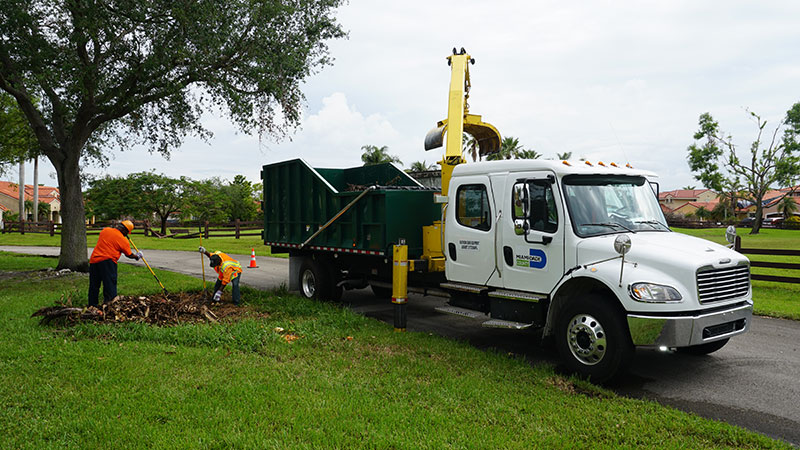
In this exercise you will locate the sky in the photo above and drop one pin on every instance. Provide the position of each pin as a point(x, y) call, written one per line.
point(621, 81)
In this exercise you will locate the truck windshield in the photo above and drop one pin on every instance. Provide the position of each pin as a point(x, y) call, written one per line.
point(604, 204)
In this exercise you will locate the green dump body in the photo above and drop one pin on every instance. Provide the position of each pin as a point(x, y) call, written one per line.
point(299, 199)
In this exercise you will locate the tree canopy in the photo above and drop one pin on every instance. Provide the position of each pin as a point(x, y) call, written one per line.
point(421, 166)
point(773, 159)
point(240, 195)
point(114, 73)
point(16, 137)
point(511, 148)
point(373, 154)
point(145, 195)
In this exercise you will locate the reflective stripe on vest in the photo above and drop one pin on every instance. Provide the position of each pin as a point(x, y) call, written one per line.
point(225, 265)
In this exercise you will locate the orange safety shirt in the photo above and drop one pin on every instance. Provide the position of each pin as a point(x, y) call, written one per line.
point(228, 269)
point(110, 245)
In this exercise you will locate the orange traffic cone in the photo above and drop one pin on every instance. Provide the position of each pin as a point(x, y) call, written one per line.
point(252, 259)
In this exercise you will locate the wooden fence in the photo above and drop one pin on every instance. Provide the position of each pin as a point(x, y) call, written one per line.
point(235, 229)
point(770, 264)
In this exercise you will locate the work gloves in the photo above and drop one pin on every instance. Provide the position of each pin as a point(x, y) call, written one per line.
point(217, 296)
point(202, 250)
point(139, 255)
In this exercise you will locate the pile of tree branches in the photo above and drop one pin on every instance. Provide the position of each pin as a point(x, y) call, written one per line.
point(157, 310)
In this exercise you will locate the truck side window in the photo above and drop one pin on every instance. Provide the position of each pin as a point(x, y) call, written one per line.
point(543, 215)
point(472, 207)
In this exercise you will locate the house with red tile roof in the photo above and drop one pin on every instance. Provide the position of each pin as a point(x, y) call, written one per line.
point(9, 198)
point(687, 201)
point(773, 198)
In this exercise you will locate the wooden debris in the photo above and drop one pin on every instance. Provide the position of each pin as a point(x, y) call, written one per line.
point(157, 309)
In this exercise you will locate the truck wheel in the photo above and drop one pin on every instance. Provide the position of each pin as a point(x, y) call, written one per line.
point(314, 281)
point(704, 349)
point(592, 338)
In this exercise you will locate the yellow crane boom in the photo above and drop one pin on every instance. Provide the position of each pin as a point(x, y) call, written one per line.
point(460, 121)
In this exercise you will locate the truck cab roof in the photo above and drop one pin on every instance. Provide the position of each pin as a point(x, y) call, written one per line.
point(560, 168)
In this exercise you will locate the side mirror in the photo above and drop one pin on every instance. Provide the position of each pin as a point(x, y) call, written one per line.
point(730, 234)
point(622, 244)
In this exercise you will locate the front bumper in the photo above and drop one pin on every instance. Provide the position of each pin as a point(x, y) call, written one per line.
point(684, 331)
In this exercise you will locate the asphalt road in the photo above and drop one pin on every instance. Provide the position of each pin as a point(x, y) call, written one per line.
point(752, 382)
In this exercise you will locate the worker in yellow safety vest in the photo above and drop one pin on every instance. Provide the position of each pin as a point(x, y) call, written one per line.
point(229, 271)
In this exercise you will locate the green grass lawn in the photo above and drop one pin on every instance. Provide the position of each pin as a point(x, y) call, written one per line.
point(240, 246)
point(766, 237)
point(347, 382)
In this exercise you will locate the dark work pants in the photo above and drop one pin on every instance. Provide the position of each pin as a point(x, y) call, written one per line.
point(234, 286)
point(104, 272)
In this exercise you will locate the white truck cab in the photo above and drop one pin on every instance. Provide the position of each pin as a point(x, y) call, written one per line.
point(584, 249)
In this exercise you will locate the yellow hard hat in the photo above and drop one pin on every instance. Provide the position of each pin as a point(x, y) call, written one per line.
point(128, 224)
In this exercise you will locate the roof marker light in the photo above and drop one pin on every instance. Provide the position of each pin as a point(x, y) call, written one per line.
point(600, 163)
point(589, 164)
point(613, 164)
point(566, 163)
point(629, 166)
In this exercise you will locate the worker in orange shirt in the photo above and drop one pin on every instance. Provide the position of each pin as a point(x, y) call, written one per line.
point(229, 271)
point(111, 244)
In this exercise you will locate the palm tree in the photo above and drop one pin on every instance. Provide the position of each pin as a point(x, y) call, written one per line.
point(564, 156)
point(373, 154)
point(508, 148)
point(689, 188)
point(702, 213)
point(469, 146)
point(526, 154)
point(420, 166)
point(787, 206)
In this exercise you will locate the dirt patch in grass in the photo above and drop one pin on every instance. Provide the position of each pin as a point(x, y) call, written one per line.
point(37, 275)
point(159, 309)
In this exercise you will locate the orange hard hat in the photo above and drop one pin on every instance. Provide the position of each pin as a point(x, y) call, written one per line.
point(128, 224)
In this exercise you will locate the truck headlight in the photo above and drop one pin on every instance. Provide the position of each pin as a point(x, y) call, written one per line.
point(649, 292)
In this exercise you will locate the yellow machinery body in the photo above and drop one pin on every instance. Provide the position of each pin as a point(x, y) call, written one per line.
point(458, 122)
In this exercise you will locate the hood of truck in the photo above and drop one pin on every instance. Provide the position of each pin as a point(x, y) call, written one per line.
point(663, 247)
point(660, 257)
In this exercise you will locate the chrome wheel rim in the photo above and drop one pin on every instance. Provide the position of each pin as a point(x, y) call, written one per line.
point(309, 284)
point(586, 339)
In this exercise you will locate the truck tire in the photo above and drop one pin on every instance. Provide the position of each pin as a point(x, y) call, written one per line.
point(592, 338)
point(315, 281)
point(704, 349)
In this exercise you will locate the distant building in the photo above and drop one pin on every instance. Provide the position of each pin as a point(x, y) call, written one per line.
point(772, 200)
point(684, 202)
point(9, 199)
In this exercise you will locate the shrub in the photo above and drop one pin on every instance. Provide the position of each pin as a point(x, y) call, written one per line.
point(792, 223)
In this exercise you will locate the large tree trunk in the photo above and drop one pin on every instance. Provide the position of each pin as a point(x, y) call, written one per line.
point(757, 222)
point(73, 215)
point(21, 189)
point(36, 189)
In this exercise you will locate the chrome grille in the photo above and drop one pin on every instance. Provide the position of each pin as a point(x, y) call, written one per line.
point(715, 285)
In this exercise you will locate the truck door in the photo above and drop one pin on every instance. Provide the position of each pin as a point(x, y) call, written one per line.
point(470, 230)
point(533, 233)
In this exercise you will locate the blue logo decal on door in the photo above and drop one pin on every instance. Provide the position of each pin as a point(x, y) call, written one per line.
point(536, 259)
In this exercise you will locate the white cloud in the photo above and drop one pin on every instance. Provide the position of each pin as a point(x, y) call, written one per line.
point(612, 80)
